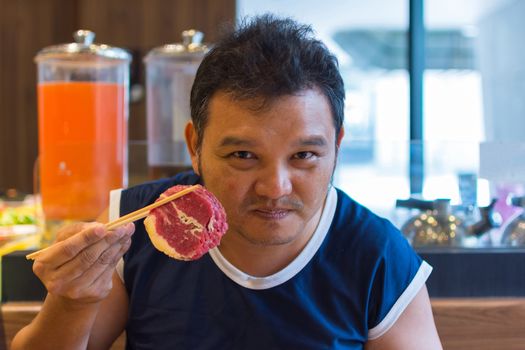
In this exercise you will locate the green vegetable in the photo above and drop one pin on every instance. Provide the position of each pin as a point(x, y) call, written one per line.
point(11, 216)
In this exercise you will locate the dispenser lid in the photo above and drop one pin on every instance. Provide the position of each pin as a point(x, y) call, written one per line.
point(191, 46)
point(83, 47)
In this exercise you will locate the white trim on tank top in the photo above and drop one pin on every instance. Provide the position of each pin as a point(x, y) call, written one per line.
point(291, 269)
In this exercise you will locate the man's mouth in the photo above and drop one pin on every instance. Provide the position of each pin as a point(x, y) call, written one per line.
point(272, 213)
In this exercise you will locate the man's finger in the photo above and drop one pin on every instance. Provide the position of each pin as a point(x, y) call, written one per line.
point(70, 229)
point(97, 253)
point(63, 251)
point(97, 279)
point(108, 255)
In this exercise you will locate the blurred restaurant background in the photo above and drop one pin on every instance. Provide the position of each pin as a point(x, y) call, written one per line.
point(434, 131)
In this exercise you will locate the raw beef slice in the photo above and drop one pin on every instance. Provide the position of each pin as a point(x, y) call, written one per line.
point(187, 227)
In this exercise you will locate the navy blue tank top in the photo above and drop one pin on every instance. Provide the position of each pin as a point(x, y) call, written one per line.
point(353, 287)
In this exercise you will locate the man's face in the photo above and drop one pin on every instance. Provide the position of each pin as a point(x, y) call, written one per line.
point(270, 168)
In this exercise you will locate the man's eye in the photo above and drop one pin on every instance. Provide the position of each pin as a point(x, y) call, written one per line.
point(243, 155)
point(304, 155)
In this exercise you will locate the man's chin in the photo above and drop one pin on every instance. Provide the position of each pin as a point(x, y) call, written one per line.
point(266, 240)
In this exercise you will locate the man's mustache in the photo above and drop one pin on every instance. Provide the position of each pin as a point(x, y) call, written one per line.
point(280, 203)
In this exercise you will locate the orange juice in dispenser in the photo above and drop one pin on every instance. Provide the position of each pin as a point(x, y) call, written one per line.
point(82, 128)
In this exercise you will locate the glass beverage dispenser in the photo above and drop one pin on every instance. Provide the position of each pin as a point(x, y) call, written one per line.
point(170, 71)
point(82, 127)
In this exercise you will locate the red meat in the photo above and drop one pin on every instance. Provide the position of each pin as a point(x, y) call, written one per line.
point(187, 227)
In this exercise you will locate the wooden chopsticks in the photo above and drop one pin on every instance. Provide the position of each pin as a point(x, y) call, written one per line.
point(133, 216)
point(143, 212)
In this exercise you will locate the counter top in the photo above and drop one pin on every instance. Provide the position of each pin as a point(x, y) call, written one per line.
point(480, 323)
point(463, 323)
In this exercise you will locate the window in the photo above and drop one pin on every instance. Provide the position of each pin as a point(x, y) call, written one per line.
point(472, 83)
point(371, 48)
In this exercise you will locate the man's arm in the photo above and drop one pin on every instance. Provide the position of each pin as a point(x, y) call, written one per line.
point(414, 329)
point(78, 274)
point(111, 318)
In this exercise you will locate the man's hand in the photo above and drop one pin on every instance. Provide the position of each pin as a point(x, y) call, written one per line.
point(78, 268)
point(77, 272)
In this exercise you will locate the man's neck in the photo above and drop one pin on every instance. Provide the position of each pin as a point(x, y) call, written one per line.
point(259, 261)
point(264, 260)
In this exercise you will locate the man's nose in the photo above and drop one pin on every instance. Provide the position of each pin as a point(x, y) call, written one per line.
point(274, 182)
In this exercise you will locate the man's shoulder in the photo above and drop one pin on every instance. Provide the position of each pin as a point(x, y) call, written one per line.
point(362, 228)
point(350, 214)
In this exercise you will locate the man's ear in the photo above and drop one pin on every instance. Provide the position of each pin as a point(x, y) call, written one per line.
point(191, 142)
point(340, 136)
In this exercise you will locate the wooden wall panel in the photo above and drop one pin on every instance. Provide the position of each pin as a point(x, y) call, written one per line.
point(29, 25)
point(150, 23)
point(140, 25)
point(26, 26)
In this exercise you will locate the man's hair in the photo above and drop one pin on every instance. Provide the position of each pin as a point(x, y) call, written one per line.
point(266, 58)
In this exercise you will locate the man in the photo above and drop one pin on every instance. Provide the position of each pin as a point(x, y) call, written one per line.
point(302, 265)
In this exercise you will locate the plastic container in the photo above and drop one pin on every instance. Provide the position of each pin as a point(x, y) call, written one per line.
point(170, 72)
